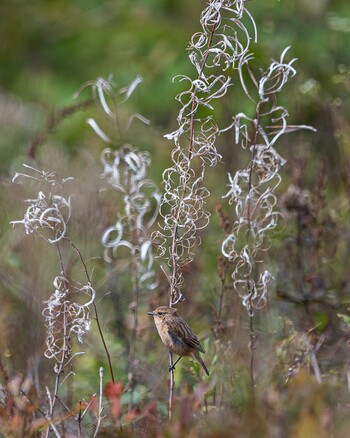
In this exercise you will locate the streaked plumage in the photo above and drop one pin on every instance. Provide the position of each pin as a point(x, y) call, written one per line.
point(177, 335)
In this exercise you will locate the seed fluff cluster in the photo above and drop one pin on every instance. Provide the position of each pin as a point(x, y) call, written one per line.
point(212, 51)
point(125, 170)
point(252, 190)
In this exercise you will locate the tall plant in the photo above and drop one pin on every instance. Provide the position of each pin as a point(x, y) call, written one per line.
point(67, 311)
point(220, 46)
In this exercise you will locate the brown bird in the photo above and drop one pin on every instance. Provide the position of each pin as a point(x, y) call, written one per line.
point(176, 335)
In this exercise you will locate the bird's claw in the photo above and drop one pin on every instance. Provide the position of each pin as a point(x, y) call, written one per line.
point(171, 368)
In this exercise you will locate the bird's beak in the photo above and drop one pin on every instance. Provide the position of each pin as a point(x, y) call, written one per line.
point(150, 313)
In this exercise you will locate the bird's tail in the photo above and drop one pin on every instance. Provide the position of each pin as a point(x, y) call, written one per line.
point(200, 360)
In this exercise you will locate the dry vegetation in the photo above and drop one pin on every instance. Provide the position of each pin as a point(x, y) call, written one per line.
point(256, 265)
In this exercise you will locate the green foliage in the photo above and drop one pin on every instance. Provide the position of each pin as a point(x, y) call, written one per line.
point(301, 352)
point(345, 318)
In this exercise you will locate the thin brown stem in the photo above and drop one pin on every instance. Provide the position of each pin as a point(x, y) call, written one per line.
point(95, 310)
point(222, 291)
point(249, 291)
point(132, 351)
point(171, 385)
point(60, 257)
point(252, 350)
point(53, 120)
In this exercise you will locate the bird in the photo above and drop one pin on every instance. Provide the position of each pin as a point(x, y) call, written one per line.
point(177, 335)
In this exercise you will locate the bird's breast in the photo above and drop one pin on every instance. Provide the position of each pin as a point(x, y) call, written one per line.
point(174, 343)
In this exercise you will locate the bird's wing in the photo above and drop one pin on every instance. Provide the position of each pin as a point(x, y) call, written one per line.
point(183, 331)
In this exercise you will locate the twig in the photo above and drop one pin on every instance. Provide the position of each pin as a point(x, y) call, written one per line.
point(252, 347)
point(53, 427)
point(314, 363)
point(49, 416)
point(171, 385)
point(95, 309)
point(100, 408)
point(54, 119)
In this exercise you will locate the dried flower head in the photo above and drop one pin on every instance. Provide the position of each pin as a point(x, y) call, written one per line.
point(49, 213)
point(221, 44)
point(66, 318)
point(126, 171)
point(252, 190)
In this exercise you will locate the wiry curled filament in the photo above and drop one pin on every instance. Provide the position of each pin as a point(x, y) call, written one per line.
point(66, 318)
point(126, 171)
point(220, 45)
point(49, 213)
point(252, 190)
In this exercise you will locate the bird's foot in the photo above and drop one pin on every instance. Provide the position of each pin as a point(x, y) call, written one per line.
point(171, 368)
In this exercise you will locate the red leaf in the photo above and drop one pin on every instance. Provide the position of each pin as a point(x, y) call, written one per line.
point(113, 390)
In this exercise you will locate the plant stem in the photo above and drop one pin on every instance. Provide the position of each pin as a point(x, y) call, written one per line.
point(171, 385)
point(132, 351)
point(95, 310)
point(249, 291)
point(252, 351)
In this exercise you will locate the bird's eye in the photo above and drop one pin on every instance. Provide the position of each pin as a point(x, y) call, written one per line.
point(160, 313)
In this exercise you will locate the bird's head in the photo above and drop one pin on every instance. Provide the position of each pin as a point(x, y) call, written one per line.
point(163, 312)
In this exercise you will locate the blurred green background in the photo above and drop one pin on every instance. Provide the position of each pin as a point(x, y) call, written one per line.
point(49, 48)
